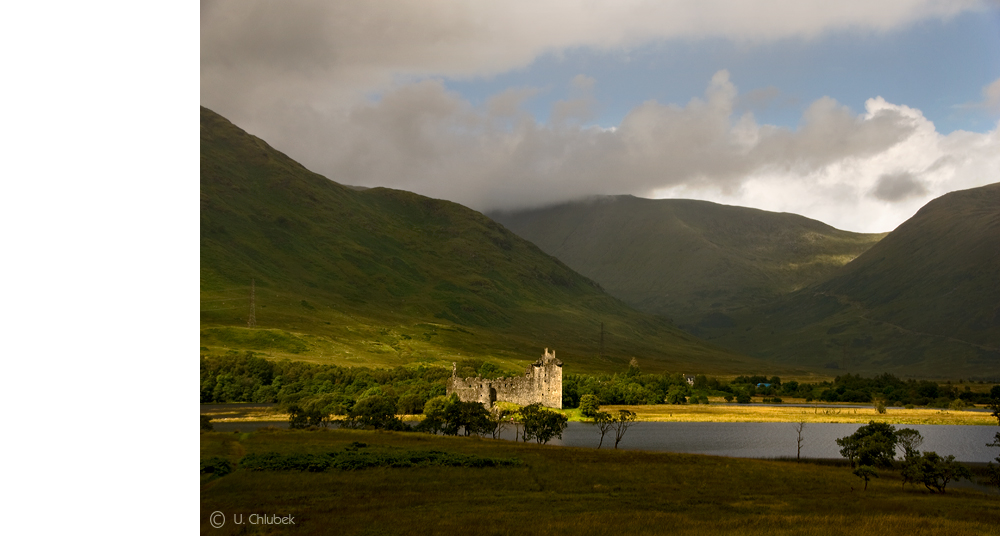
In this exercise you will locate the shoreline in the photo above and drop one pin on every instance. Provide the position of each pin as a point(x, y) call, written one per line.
point(723, 412)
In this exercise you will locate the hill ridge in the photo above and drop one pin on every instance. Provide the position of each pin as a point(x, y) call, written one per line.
point(387, 277)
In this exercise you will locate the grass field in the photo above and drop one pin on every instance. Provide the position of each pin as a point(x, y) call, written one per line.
point(708, 413)
point(558, 490)
point(740, 413)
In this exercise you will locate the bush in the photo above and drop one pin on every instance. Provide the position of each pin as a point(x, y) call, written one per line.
point(206, 423)
point(216, 466)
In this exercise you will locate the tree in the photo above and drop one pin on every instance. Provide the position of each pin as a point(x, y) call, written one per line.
point(873, 444)
point(936, 471)
point(879, 404)
point(865, 472)
point(909, 440)
point(676, 395)
point(498, 421)
point(542, 424)
point(377, 411)
point(621, 423)
point(299, 417)
point(798, 428)
point(590, 405)
point(604, 422)
point(471, 417)
point(434, 415)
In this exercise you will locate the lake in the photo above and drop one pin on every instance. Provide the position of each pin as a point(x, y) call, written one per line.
point(746, 440)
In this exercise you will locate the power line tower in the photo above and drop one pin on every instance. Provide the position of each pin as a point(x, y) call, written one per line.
point(252, 321)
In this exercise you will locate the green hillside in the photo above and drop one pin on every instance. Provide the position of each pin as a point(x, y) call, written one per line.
point(385, 277)
point(694, 261)
point(925, 300)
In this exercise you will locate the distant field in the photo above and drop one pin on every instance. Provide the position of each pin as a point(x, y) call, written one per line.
point(558, 490)
point(741, 413)
point(712, 413)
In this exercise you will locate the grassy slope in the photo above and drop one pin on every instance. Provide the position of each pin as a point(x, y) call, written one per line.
point(694, 261)
point(385, 277)
point(924, 301)
point(573, 491)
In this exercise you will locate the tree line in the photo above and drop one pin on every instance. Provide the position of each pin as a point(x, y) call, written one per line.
point(335, 390)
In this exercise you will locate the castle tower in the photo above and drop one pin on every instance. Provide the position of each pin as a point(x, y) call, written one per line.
point(548, 374)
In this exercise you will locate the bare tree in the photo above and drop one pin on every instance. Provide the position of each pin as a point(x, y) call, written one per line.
point(798, 428)
point(621, 423)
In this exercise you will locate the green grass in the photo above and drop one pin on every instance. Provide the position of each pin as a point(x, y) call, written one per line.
point(382, 277)
point(557, 490)
point(691, 260)
point(921, 302)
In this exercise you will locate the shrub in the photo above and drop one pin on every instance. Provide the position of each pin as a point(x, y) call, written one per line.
point(216, 466)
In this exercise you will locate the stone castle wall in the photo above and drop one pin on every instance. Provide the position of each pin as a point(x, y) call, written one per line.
point(541, 383)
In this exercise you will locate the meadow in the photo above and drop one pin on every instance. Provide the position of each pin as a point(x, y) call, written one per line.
point(561, 490)
point(717, 412)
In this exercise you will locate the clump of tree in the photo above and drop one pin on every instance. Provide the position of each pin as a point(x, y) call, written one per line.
point(451, 416)
point(541, 424)
point(933, 471)
point(249, 378)
point(874, 446)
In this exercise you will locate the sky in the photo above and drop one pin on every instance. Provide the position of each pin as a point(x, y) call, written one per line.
point(855, 113)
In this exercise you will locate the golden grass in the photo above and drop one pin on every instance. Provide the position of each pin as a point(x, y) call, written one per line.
point(742, 413)
point(704, 413)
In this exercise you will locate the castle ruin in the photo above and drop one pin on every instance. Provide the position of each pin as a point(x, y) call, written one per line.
point(541, 383)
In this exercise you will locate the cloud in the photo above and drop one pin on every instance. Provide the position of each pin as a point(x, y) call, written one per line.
point(837, 165)
point(354, 90)
point(257, 55)
point(991, 96)
point(894, 187)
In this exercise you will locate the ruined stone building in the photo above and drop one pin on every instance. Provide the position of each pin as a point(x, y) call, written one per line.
point(541, 382)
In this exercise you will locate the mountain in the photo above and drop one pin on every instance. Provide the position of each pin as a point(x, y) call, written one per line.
point(924, 300)
point(694, 261)
point(386, 277)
